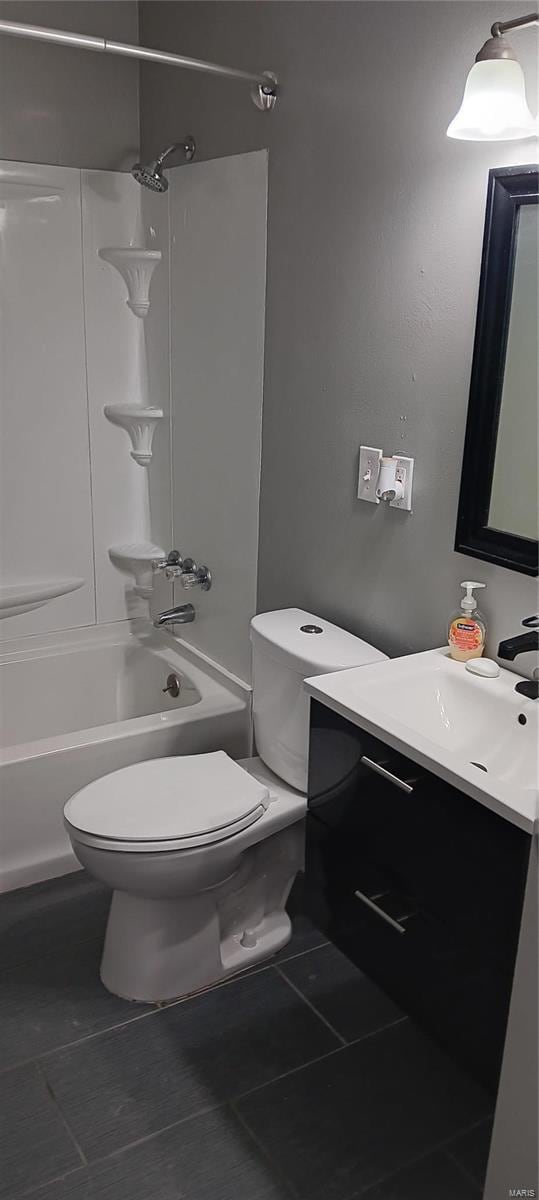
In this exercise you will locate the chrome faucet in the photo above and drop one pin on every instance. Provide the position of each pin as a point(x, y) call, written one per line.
point(183, 614)
point(511, 647)
point(184, 569)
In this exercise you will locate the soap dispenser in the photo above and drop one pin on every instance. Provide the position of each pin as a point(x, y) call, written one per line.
point(467, 628)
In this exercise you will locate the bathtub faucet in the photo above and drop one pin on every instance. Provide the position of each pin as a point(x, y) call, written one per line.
point(181, 615)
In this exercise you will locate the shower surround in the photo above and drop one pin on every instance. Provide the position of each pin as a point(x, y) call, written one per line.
point(86, 364)
point(83, 493)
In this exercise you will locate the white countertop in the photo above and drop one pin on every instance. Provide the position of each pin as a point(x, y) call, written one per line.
point(441, 716)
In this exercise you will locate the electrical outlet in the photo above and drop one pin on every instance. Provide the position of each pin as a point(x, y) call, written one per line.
point(405, 473)
point(369, 466)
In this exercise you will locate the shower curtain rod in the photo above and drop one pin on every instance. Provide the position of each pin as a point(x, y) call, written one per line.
point(263, 92)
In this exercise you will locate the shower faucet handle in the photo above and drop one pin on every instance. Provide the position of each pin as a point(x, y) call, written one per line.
point(193, 576)
point(173, 559)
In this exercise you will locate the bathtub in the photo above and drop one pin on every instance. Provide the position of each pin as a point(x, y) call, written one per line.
point(76, 705)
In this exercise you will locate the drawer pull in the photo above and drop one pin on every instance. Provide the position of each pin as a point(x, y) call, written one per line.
point(379, 911)
point(374, 766)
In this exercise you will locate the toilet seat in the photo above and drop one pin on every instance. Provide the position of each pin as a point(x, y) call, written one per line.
point(167, 804)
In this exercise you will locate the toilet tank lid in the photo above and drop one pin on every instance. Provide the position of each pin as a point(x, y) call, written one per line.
point(308, 644)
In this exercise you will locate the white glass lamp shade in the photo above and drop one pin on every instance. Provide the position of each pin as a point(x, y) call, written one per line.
point(494, 106)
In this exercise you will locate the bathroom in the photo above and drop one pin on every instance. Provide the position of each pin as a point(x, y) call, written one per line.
point(308, 284)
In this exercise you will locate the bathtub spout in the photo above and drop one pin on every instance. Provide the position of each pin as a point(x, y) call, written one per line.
point(182, 615)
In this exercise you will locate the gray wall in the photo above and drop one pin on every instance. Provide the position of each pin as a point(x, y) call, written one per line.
point(74, 108)
point(374, 242)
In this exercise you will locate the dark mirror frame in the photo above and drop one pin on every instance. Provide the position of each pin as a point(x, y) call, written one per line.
point(508, 189)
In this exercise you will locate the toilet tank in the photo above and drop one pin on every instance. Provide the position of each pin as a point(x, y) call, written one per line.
point(288, 646)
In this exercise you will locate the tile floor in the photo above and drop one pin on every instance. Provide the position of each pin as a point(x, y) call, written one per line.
point(298, 1079)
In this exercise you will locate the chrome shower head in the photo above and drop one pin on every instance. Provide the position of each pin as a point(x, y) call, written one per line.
point(150, 175)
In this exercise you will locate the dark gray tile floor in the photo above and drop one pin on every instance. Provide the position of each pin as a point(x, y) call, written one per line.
point(297, 1080)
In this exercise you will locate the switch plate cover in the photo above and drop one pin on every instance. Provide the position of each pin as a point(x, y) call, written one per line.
point(369, 466)
point(404, 472)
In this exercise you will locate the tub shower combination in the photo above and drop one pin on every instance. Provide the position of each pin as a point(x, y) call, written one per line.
point(75, 706)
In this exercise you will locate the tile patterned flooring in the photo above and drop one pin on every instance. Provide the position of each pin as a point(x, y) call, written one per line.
point(299, 1079)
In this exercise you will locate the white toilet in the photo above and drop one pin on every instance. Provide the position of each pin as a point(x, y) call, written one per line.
point(201, 851)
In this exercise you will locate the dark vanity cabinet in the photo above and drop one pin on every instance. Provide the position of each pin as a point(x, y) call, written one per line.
point(419, 885)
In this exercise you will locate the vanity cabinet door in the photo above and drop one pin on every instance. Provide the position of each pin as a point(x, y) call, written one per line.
point(419, 885)
point(412, 835)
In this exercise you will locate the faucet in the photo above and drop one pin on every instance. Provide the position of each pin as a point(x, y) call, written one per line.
point(183, 614)
point(184, 569)
point(511, 647)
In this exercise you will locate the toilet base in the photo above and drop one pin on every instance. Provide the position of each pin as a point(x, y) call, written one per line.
point(144, 959)
point(162, 949)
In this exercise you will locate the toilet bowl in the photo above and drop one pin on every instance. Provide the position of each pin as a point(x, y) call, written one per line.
point(201, 852)
point(195, 903)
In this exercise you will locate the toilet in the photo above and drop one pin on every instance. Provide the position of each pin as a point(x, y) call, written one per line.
point(201, 852)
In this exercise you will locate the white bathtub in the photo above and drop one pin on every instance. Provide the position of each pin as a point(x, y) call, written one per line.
point(76, 705)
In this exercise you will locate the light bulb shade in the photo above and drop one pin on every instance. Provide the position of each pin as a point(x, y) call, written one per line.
point(494, 106)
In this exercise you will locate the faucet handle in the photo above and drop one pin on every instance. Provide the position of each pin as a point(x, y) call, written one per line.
point(531, 622)
point(173, 559)
point(193, 576)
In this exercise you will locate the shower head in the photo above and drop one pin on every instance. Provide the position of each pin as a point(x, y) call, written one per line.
point(151, 175)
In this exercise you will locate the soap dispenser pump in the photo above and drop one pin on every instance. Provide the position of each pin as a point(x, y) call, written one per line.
point(467, 628)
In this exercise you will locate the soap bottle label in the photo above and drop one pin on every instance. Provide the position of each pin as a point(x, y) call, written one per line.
point(465, 634)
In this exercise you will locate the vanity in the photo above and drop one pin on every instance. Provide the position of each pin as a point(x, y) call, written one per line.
point(421, 810)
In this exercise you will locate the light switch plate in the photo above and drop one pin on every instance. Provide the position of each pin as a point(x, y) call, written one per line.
point(404, 472)
point(369, 466)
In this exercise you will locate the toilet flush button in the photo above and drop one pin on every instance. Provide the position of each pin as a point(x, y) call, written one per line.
point(248, 939)
point(311, 629)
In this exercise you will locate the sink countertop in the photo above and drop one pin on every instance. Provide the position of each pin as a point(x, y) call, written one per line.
point(428, 707)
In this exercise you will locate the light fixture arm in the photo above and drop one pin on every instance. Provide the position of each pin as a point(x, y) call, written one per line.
point(497, 47)
point(501, 27)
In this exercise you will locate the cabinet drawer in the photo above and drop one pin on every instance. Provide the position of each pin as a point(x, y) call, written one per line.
point(457, 996)
point(388, 821)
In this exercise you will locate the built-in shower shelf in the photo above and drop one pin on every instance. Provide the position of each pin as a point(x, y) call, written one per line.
point(140, 424)
point(135, 558)
point(17, 598)
point(136, 266)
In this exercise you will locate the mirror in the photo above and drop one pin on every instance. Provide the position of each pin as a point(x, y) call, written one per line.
point(498, 518)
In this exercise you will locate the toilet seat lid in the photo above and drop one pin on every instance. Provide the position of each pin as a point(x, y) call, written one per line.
point(188, 796)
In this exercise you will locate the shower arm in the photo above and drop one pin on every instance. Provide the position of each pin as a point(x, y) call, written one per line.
point(263, 84)
point(185, 146)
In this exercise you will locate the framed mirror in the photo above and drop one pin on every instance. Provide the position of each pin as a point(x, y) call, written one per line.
point(498, 515)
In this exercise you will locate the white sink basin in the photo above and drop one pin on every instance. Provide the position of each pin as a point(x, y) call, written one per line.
point(475, 732)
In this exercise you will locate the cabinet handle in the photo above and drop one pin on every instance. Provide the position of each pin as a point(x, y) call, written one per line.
point(379, 911)
point(374, 766)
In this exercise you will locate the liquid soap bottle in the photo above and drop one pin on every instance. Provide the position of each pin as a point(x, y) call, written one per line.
point(467, 628)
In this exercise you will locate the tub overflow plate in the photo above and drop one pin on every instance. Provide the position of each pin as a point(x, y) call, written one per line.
point(173, 686)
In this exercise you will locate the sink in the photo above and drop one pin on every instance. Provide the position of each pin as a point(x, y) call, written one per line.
point(476, 732)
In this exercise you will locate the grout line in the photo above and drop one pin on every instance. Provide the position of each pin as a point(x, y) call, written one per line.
point(47, 1183)
point(65, 1123)
point(139, 1016)
point(242, 973)
point(91, 461)
point(45, 1054)
point(381, 1029)
point(463, 1170)
point(95, 1162)
point(439, 1147)
point(312, 1007)
point(259, 1087)
point(291, 1190)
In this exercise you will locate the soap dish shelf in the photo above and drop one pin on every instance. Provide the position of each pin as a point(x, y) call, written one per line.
point(136, 266)
point(140, 424)
point(135, 558)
